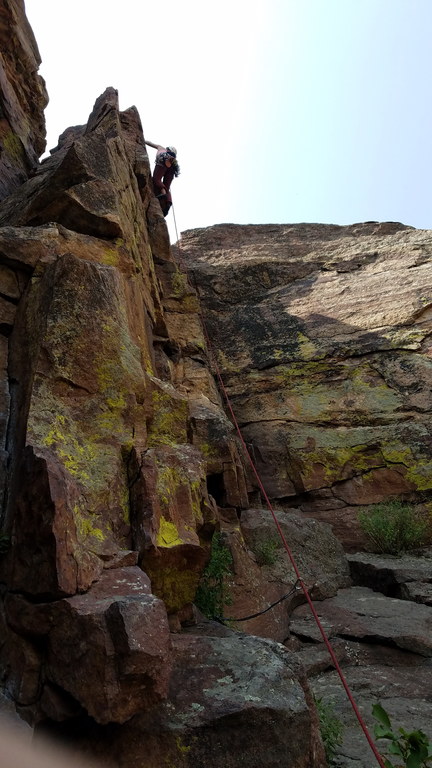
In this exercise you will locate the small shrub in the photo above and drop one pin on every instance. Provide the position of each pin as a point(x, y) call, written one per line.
point(395, 527)
point(331, 728)
point(412, 747)
point(212, 593)
point(266, 551)
point(4, 543)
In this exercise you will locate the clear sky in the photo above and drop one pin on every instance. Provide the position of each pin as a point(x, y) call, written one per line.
point(282, 111)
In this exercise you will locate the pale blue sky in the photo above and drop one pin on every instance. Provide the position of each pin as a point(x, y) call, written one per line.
point(281, 110)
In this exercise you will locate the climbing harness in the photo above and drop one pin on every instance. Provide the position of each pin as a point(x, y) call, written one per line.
point(162, 156)
point(299, 581)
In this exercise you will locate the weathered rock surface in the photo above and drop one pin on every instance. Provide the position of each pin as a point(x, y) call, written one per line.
point(408, 577)
point(97, 442)
point(117, 462)
point(330, 372)
point(383, 646)
point(360, 613)
point(22, 98)
point(110, 648)
point(233, 699)
point(403, 690)
point(115, 454)
point(116, 634)
point(263, 573)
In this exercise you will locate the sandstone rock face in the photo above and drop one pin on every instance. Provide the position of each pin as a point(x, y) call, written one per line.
point(323, 337)
point(118, 463)
point(22, 98)
point(116, 456)
point(104, 378)
point(98, 453)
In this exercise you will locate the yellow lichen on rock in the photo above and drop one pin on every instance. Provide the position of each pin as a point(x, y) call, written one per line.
point(168, 424)
point(168, 534)
point(85, 526)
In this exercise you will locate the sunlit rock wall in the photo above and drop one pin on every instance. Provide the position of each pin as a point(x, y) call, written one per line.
point(323, 337)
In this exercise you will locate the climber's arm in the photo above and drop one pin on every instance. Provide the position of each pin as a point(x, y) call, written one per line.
point(155, 146)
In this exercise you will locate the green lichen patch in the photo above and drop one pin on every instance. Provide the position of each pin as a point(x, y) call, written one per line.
point(179, 284)
point(179, 493)
point(418, 463)
point(227, 364)
point(110, 257)
point(88, 525)
point(405, 337)
point(325, 456)
point(13, 145)
point(168, 425)
point(208, 450)
point(317, 392)
point(307, 350)
point(168, 535)
point(175, 578)
point(190, 303)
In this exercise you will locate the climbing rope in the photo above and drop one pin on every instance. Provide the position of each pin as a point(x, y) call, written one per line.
point(223, 619)
point(299, 581)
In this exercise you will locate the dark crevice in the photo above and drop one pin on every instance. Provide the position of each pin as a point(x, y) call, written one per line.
point(216, 488)
point(10, 299)
point(305, 639)
point(332, 424)
point(15, 264)
point(371, 640)
point(70, 383)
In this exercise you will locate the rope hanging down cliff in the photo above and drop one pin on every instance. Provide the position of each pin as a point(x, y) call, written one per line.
point(223, 619)
point(299, 581)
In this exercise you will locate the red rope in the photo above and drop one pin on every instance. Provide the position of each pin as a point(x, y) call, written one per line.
point(282, 536)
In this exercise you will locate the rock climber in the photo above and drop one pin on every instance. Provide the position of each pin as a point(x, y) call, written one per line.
point(164, 171)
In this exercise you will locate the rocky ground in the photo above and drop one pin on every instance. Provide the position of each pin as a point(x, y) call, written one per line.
point(384, 646)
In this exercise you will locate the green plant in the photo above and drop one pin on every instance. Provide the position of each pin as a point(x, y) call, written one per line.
point(331, 728)
point(393, 527)
point(4, 543)
point(212, 594)
point(412, 747)
point(266, 551)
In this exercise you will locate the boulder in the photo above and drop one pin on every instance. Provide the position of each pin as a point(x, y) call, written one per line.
point(383, 647)
point(361, 614)
point(407, 577)
point(232, 699)
point(110, 648)
point(318, 554)
point(262, 573)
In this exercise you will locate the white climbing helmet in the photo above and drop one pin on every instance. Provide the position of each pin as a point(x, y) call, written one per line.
point(172, 151)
